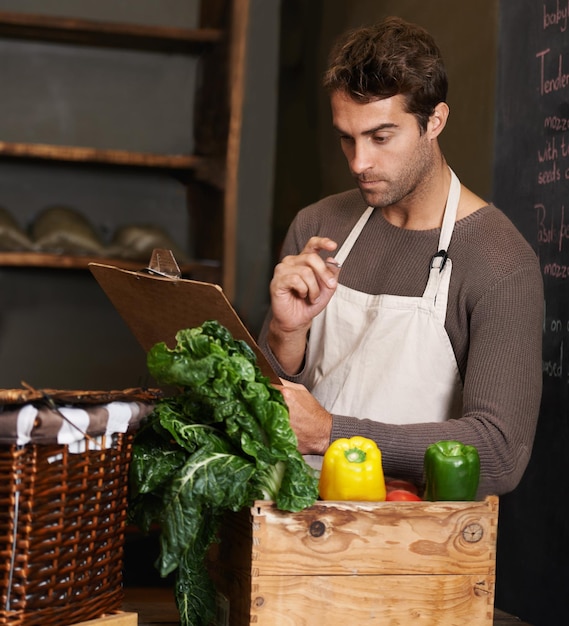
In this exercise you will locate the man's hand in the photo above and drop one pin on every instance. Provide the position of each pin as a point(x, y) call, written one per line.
point(301, 287)
point(309, 420)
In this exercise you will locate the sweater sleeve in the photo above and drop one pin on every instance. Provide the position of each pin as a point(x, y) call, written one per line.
point(502, 392)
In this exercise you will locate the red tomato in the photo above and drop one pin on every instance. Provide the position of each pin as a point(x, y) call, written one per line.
point(398, 483)
point(396, 495)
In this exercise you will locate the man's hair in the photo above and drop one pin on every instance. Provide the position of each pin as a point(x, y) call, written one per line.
point(393, 57)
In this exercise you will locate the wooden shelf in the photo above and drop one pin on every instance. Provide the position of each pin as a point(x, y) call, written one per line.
point(205, 169)
point(105, 34)
point(198, 270)
point(81, 154)
point(211, 180)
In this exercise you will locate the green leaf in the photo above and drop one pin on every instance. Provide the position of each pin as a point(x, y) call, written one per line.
point(223, 441)
point(208, 482)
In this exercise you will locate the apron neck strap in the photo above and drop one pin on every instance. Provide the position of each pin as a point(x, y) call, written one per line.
point(449, 218)
point(451, 209)
point(354, 234)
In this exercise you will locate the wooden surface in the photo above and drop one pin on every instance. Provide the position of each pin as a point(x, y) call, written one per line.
point(118, 619)
point(153, 605)
point(156, 607)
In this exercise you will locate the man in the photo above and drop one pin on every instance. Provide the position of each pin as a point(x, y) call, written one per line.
point(408, 310)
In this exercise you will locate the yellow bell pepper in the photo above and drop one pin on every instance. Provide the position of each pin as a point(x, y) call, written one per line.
point(352, 470)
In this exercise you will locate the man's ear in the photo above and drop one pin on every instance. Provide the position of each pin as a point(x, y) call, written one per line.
point(438, 120)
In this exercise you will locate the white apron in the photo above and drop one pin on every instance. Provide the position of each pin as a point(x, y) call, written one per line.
point(384, 357)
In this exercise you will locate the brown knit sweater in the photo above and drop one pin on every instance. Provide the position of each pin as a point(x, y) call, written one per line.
point(494, 322)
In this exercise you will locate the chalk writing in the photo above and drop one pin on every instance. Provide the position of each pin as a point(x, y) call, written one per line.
point(557, 17)
point(553, 364)
point(545, 227)
point(561, 79)
point(553, 161)
point(549, 153)
point(552, 228)
point(554, 122)
point(554, 369)
point(556, 270)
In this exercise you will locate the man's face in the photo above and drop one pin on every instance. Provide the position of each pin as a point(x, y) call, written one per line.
point(386, 152)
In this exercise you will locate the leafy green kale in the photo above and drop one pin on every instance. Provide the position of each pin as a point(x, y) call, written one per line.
point(218, 445)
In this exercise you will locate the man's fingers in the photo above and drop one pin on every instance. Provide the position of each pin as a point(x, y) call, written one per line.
point(316, 244)
point(302, 279)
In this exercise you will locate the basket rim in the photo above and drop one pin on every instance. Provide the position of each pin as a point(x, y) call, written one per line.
point(29, 394)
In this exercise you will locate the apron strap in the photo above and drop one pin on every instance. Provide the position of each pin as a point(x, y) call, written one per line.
point(441, 266)
point(451, 209)
point(354, 234)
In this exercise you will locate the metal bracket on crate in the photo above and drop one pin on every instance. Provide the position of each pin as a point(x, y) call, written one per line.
point(163, 263)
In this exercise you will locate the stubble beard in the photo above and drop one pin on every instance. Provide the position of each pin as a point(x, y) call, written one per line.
point(415, 172)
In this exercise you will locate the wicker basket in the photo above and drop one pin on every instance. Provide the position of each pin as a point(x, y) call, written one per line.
point(63, 507)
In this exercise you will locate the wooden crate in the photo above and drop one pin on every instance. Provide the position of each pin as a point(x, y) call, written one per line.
point(339, 563)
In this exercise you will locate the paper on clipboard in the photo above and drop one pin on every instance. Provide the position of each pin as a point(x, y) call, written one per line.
point(155, 307)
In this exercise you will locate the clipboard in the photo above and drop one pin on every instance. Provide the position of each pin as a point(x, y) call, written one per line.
point(156, 306)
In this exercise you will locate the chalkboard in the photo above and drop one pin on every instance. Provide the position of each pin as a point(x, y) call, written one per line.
point(531, 185)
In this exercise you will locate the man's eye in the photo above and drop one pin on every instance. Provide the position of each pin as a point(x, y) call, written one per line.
point(380, 138)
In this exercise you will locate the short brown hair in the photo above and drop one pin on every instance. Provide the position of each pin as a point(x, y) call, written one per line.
point(393, 57)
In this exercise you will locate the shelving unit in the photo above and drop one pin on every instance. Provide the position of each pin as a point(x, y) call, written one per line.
point(209, 173)
point(110, 34)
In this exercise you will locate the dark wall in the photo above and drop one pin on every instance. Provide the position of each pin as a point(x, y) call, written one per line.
point(297, 172)
point(59, 331)
point(531, 183)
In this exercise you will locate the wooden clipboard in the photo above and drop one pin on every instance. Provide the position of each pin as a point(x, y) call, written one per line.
point(156, 307)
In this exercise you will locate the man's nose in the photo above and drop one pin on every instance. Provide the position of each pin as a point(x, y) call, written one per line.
point(362, 157)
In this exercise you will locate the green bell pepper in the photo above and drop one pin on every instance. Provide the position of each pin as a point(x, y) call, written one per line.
point(452, 471)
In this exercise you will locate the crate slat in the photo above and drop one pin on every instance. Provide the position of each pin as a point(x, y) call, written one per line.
point(335, 539)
